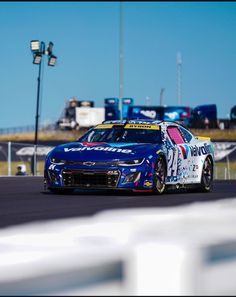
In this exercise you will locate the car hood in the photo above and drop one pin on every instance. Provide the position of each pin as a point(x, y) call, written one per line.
point(86, 151)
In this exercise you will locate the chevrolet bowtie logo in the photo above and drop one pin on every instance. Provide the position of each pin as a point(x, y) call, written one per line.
point(88, 163)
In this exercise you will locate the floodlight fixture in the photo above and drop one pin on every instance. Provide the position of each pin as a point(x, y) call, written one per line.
point(35, 45)
point(49, 49)
point(37, 59)
point(52, 60)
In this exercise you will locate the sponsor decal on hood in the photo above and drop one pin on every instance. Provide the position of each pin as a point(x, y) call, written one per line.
point(98, 148)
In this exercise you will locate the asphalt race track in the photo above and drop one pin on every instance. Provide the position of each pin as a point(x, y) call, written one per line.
point(23, 199)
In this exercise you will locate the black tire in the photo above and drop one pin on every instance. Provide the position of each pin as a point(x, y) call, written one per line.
point(159, 185)
point(207, 176)
point(61, 191)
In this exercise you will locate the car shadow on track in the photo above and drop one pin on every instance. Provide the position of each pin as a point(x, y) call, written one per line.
point(115, 193)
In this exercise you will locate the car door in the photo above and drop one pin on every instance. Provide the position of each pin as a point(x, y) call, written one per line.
point(177, 169)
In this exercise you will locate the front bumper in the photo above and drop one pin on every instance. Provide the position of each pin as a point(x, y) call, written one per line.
point(90, 178)
point(128, 177)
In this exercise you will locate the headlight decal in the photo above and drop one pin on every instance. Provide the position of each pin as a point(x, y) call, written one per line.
point(133, 178)
point(57, 161)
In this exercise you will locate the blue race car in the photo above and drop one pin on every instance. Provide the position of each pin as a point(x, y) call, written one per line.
point(132, 155)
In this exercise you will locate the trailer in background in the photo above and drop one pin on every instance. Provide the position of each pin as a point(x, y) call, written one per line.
point(69, 119)
point(233, 117)
point(87, 117)
point(204, 116)
point(112, 111)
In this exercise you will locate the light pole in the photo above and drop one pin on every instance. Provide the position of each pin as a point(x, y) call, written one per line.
point(121, 64)
point(179, 70)
point(38, 51)
point(161, 96)
point(147, 101)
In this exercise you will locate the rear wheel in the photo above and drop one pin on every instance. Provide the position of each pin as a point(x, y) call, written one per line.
point(207, 176)
point(159, 176)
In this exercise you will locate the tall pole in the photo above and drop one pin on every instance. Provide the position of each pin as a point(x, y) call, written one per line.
point(147, 101)
point(121, 63)
point(37, 119)
point(179, 82)
point(37, 105)
point(42, 49)
point(161, 96)
point(38, 50)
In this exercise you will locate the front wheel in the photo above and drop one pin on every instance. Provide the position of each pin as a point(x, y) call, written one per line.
point(207, 176)
point(159, 176)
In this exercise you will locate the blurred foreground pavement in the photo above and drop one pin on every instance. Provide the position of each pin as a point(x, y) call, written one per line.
point(184, 250)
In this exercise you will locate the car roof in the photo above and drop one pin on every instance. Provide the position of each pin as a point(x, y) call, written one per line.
point(145, 122)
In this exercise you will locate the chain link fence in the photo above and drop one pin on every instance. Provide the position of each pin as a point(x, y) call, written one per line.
point(225, 160)
point(15, 156)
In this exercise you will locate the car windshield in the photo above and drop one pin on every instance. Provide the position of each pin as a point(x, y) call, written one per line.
point(121, 134)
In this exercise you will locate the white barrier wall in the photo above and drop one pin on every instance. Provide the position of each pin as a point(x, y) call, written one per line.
point(185, 250)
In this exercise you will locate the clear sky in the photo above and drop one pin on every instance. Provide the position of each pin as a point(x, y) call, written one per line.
point(86, 42)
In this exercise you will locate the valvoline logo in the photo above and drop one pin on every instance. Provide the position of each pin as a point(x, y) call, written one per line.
point(185, 149)
point(98, 146)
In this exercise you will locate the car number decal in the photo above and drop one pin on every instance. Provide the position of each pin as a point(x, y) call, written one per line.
point(172, 162)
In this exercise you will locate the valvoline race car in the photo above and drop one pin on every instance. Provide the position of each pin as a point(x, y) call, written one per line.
point(132, 155)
